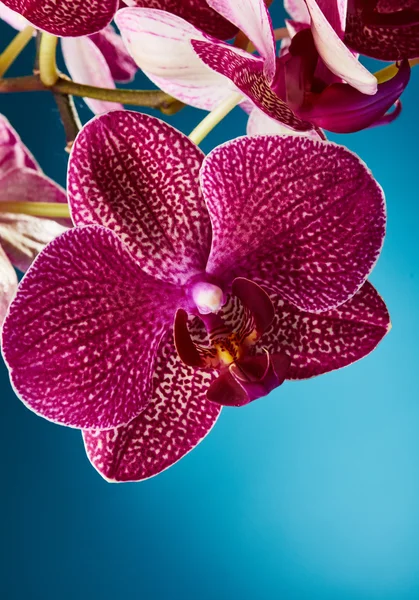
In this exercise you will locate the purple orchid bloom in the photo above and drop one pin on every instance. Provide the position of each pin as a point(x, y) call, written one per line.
point(293, 89)
point(74, 18)
point(22, 237)
point(192, 282)
point(99, 59)
point(383, 29)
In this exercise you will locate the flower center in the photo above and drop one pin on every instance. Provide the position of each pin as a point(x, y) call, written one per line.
point(207, 297)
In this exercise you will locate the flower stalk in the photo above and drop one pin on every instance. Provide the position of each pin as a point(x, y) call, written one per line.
point(214, 117)
point(16, 46)
point(391, 70)
point(51, 210)
point(48, 71)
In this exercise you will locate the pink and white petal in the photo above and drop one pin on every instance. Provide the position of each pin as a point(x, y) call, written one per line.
point(260, 124)
point(178, 417)
point(253, 19)
point(247, 74)
point(321, 343)
point(66, 17)
point(335, 12)
point(120, 63)
point(338, 58)
point(87, 65)
point(297, 9)
point(8, 284)
point(12, 18)
point(23, 237)
point(305, 215)
point(82, 334)
point(13, 152)
point(25, 185)
point(159, 43)
point(139, 177)
point(196, 12)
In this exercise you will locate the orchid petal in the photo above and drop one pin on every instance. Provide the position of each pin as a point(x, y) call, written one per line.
point(388, 33)
point(120, 63)
point(297, 9)
point(247, 73)
point(13, 152)
point(260, 124)
point(307, 216)
point(196, 12)
point(335, 12)
point(8, 284)
point(66, 17)
point(159, 43)
point(12, 18)
point(336, 55)
point(321, 343)
point(143, 183)
point(253, 19)
point(178, 417)
point(87, 65)
point(81, 336)
point(342, 109)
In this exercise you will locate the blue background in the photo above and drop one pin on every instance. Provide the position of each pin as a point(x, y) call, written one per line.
point(312, 493)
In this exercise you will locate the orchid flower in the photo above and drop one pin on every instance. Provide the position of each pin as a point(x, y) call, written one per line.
point(75, 18)
point(203, 71)
point(99, 59)
point(22, 237)
point(192, 282)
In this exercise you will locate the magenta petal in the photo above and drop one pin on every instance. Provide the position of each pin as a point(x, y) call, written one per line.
point(196, 12)
point(13, 152)
point(66, 17)
point(306, 216)
point(247, 73)
point(139, 177)
point(256, 300)
point(342, 109)
point(324, 342)
point(8, 284)
point(178, 417)
point(226, 391)
point(82, 334)
point(392, 34)
point(298, 11)
point(120, 63)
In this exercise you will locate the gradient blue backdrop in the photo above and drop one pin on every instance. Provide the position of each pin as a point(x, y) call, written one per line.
point(312, 493)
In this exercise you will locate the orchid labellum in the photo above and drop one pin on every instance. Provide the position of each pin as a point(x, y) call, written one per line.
point(22, 237)
point(192, 282)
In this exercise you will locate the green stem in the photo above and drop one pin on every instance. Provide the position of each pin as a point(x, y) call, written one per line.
point(18, 43)
point(214, 117)
point(48, 71)
point(53, 210)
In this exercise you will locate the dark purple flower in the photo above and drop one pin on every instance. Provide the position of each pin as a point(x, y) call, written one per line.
point(191, 282)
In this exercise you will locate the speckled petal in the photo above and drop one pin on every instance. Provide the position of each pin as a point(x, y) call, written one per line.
point(13, 152)
point(87, 65)
point(12, 18)
point(307, 216)
point(260, 124)
point(253, 19)
point(178, 417)
point(159, 42)
point(338, 58)
point(8, 284)
point(392, 34)
point(82, 334)
point(140, 177)
point(66, 17)
point(247, 73)
point(120, 63)
point(196, 12)
point(317, 344)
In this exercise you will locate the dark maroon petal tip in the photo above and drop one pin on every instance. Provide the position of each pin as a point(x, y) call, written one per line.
point(253, 297)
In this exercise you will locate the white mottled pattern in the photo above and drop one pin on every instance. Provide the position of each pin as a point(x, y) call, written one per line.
point(139, 177)
point(178, 417)
point(66, 17)
point(81, 337)
point(306, 215)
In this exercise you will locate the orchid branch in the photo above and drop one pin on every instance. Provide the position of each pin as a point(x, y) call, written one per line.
point(214, 117)
point(18, 43)
point(391, 70)
point(48, 71)
point(52, 210)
